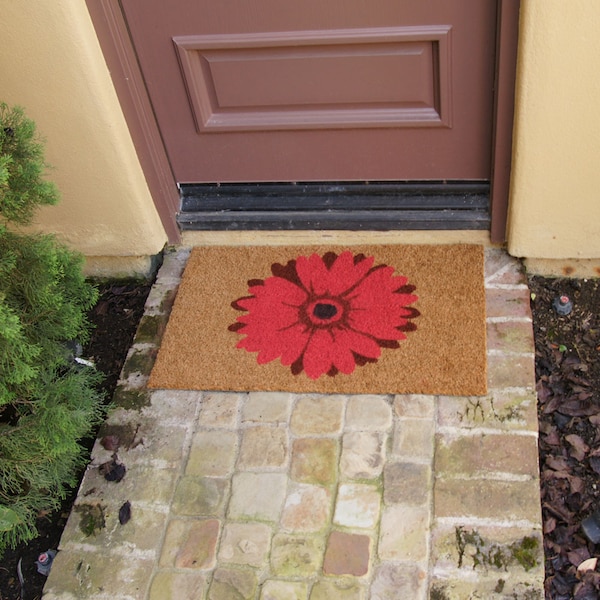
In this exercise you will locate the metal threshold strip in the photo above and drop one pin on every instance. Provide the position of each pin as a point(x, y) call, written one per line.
point(367, 206)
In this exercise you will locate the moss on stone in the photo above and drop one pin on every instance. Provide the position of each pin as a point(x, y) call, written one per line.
point(150, 329)
point(140, 361)
point(131, 399)
point(438, 593)
point(525, 552)
point(91, 519)
point(492, 555)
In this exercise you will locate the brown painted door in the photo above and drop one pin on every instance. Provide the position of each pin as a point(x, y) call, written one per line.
point(320, 90)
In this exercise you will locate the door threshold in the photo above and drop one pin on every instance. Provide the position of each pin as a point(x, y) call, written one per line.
point(190, 238)
point(353, 206)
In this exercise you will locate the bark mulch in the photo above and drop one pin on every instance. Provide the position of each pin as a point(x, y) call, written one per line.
point(567, 352)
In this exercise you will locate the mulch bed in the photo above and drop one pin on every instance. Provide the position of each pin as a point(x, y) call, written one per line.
point(115, 318)
point(568, 382)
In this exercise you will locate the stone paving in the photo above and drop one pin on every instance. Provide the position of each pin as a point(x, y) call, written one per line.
point(276, 496)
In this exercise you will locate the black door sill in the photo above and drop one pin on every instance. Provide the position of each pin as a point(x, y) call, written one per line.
point(350, 206)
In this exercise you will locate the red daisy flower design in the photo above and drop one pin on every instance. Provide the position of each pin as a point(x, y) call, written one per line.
point(325, 315)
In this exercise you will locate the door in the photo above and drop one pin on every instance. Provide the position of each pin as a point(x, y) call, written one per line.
point(319, 90)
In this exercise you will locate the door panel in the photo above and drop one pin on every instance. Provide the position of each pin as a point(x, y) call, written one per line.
point(333, 79)
point(320, 91)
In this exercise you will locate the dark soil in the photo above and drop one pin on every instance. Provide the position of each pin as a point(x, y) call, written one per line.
point(115, 318)
point(568, 383)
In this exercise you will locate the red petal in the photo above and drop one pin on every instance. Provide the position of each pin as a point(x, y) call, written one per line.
point(271, 326)
point(344, 274)
point(313, 273)
point(375, 309)
point(358, 343)
point(317, 356)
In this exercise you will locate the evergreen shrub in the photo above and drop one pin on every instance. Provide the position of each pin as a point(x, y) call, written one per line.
point(48, 402)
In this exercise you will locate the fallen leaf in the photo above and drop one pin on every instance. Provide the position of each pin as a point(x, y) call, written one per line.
point(557, 463)
point(549, 525)
point(587, 565)
point(595, 464)
point(110, 442)
point(125, 513)
point(113, 470)
point(577, 484)
point(578, 556)
point(580, 448)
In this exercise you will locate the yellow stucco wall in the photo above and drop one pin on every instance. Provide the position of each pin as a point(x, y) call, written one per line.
point(52, 66)
point(555, 190)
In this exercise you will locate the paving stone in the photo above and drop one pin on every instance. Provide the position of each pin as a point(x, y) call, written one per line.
point(78, 575)
point(478, 455)
point(233, 584)
point(140, 533)
point(347, 554)
point(341, 589)
point(488, 499)
point(200, 497)
point(414, 438)
point(500, 267)
point(274, 589)
point(501, 409)
point(190, 544)
point(317, 415)
point(296, 555)
point(263, 447)
point(170, 585)
point(486, 549)
point(492, 588)
point(212, 453)
point(511, 336)
point(157, 301)
point(307, 508)
point(399, 582)
point(365, 412)
point(257, 495)
point(154, 443)
point(506, 371)
point(406, 483)
point(507, 303)
point(404, 533)
point(174, 261)
point(245, 543)
point(357, 505)
point(140, 484)
point(414, 405)
point(363, 455)
point(314, 460)
point(160, 444)
point(219, 410)
point(173, 407)
point(267, 407)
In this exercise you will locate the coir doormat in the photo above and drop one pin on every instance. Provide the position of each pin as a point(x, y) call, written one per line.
point(356, 320)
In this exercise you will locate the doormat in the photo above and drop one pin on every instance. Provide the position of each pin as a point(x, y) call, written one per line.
point(379, 319)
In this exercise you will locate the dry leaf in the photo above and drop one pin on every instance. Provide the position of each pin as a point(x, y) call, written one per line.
point(587, 565)
point(110, 442)
point(580, 448)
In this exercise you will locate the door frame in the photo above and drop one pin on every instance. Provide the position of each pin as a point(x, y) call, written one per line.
point(119, 52)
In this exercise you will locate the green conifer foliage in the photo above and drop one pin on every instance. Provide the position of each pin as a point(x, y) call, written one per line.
point(47, 402)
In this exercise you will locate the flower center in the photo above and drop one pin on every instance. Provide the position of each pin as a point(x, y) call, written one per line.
point(324, 311)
